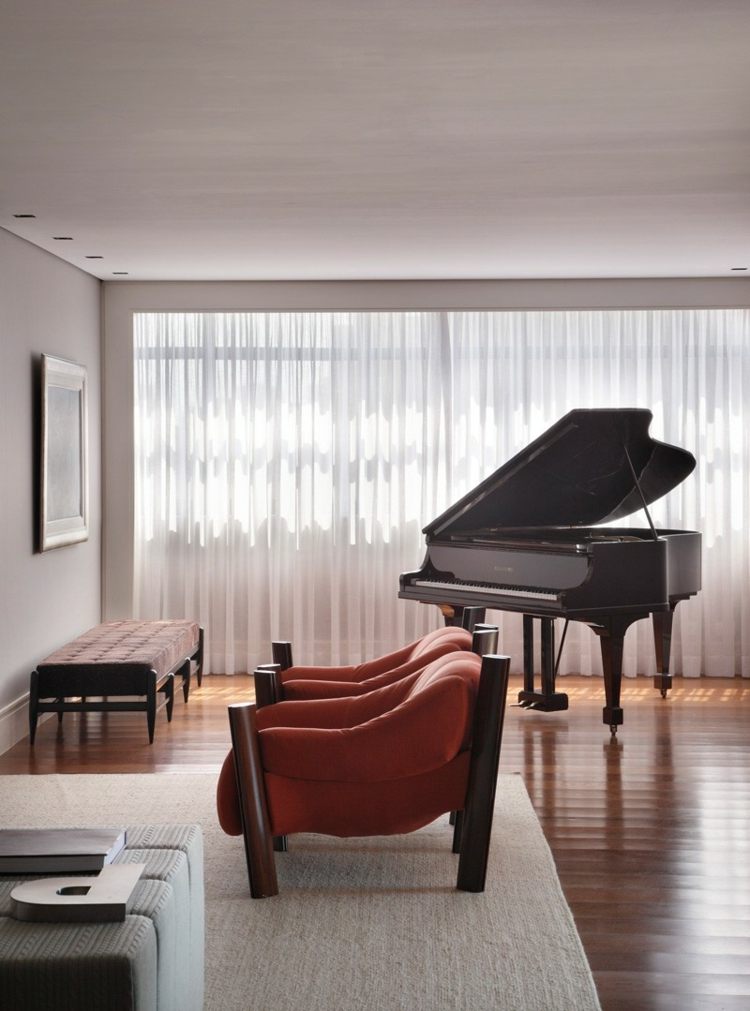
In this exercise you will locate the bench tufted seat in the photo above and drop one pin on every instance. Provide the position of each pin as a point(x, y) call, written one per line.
point(118, 658)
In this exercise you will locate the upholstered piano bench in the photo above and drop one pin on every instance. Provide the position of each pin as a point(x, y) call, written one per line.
point(153, 961)
point(116, 659)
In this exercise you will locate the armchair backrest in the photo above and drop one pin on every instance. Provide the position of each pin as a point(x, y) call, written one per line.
point(382, 701)
point(464, 665)
point(450, 636)
point(446, 639)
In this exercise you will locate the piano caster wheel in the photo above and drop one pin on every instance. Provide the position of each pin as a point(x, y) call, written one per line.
point(613, 729)
point(663, 693)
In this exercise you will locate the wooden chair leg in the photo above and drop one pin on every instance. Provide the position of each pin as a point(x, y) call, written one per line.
point(282, 654)
point(261, 867)
point(484, 639)
point(267, 685)
point(268, 691)
point(489, 714)
point(458, 824)
point(470, 616)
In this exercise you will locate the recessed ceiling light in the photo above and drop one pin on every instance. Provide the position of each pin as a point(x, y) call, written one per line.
point(24, 215)
point(119, 271)
point(94, 257)
point(738, 268)
point(63, 238)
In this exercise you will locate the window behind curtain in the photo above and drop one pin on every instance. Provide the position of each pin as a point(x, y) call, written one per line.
point(285, 463)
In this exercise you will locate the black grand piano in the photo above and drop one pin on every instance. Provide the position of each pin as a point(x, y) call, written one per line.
point(528, 539)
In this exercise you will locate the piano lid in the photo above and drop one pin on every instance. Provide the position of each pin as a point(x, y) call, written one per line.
point(575, 474)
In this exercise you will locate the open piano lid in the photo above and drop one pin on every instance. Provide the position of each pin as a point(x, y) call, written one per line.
point(575, 474)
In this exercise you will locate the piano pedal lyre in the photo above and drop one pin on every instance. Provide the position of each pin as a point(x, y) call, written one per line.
point(553, 703)
point(547, 700)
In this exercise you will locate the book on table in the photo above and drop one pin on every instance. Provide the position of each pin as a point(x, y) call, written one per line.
point(50, 850)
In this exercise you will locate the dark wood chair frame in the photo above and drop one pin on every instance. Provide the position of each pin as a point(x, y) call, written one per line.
point(473, 827)
point(269, 689)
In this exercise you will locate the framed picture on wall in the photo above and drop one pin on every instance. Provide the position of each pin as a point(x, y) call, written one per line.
point(64, 464)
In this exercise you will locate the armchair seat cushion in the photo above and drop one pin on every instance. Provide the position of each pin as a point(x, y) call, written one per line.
point(387, 807)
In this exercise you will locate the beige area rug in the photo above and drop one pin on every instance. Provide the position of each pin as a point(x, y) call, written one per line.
point(361, 923)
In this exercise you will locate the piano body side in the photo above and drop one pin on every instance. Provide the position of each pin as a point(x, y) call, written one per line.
point(684, 563)
point(646, 574)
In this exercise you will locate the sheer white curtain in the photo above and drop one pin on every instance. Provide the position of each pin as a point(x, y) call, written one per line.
point(285, 464)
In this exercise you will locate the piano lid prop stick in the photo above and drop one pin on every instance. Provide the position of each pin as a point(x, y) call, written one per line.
point(637, 484)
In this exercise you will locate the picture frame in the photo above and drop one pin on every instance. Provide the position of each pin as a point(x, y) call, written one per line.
point(64, 509)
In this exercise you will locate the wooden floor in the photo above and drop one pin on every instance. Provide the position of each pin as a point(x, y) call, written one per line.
point(650, 831)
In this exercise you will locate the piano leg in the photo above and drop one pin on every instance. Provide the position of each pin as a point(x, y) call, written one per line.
point(547, 700)
point(662, 621)
point(548, 657)
point(611, 640)
point(528, 654)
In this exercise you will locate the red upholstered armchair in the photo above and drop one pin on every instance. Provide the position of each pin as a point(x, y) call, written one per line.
point(383, 763)
point(283, 680)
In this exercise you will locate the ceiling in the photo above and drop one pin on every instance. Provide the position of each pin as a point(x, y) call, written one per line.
point(338, 139)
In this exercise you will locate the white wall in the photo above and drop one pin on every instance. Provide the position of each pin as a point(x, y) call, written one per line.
point(122, 299)
point(45, 599)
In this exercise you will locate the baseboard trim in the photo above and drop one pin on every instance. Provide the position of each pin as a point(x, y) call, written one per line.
point(14, 722)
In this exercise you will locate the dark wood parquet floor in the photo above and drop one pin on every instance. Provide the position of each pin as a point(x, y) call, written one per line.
point(650, 832)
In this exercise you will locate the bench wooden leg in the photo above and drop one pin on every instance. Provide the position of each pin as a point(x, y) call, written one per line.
point(33, 700)
point(199, 658)
point(60, 714)
point(185, 672)
point(169, 696)
point(151, 705)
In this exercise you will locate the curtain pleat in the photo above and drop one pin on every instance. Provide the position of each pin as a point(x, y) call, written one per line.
point(285, 464)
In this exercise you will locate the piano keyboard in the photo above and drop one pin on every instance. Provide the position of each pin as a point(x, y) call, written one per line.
point(528, 593)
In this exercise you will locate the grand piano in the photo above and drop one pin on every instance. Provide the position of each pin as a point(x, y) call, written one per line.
point(532, 538)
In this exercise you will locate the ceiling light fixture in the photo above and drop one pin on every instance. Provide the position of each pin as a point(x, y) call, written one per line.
point(94, 257)
point(24, 215)
point(63, 238)
point(738, 268)
point(119, 271)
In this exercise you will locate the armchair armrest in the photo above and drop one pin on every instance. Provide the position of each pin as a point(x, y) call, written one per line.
point(312, 673)
point(336, 713)
point(303, 691)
